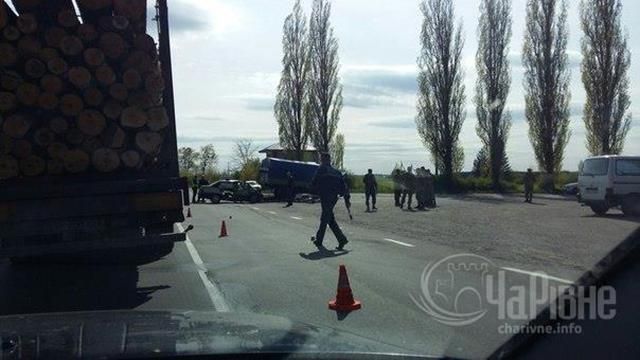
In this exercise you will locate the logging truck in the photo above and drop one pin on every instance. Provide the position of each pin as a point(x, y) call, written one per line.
point(88, 153)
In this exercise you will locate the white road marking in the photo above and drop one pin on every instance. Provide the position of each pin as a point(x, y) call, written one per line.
point(273, 213)
point(214, 293)
point(399, 242)
point(296, 218)
point(542, 275)
point(255, 208)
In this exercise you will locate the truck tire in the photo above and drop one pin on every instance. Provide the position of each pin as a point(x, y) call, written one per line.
point(599, 209)
point(215, 199)
point(254, 198)
point(631, 206)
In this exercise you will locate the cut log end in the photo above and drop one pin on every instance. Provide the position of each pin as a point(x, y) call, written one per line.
point(133, 117)
point(130, 158)
point(91, 122)
point(59, 125)
point(76, 161)
point(105, 160)
point(149, 142)
point(158, 118)
point(32, 165)
point(8, 167)
point(17, 126)
point(71, 105)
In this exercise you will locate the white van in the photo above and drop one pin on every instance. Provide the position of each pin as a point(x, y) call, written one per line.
point(611, 181)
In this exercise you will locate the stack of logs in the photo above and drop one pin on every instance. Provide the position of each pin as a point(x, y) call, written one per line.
point(78, 94)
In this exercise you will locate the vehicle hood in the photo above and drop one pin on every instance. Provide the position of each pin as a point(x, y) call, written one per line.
point(118, 334)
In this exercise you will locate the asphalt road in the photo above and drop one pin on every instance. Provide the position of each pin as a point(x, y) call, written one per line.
point(267, 265)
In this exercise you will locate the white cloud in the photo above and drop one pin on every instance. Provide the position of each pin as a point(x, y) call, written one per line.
point(221, 17)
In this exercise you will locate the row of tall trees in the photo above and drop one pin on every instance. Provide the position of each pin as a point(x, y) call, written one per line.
point(441, 98)
point(309, 98)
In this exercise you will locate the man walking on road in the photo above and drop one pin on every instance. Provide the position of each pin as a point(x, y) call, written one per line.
point(370, 189)
point(529, 180)
point(328, 183)
point(194, 188)
point(290, 190)
point(409, 188)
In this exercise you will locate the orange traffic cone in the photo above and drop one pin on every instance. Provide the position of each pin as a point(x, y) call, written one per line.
point(344, 298)
point(223, 229)
point(188, 212)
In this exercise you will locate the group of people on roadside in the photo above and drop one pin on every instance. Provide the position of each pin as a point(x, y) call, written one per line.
point(406, 184)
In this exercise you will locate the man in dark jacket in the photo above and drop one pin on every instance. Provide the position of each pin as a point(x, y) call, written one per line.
point(290, 190)
point(396, 175)
point(370, 189)
point(431, 192)
point(529, 180)
point(328, 183)
point(194, 188)
point(421, 188)
point(202, 182)
point(409, 188)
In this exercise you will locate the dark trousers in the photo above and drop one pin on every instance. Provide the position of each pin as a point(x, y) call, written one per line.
point(291, 194)
point(195, 195)
point(528, 194)
point(327, 218)
point(404, 197)
point(396, 196)
point(370, 195)
point(421, 198)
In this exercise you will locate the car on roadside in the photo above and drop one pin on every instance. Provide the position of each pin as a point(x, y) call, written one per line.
point(254, 184)
point(611, 181)
point(230, 190)
point(570, 189)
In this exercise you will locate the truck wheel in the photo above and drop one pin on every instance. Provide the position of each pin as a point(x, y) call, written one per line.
point(631, 206)
point(253, 198)
point(215, 199)
point(599, 209)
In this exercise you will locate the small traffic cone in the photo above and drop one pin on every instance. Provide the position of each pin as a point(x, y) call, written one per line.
point(223, 229)
point(188, 212)
point(344, 298)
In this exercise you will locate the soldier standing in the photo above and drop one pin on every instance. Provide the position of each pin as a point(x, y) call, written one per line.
point(421, 190)
point(396, 175)
point(328, 183)
point(409, 188)
point(431, 192)
point(194, 189)
point(290, 189)
point(529, 180)
point(370, 189)
point(202, 182)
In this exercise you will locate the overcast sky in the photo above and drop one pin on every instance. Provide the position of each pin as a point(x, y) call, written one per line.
point(227, 59)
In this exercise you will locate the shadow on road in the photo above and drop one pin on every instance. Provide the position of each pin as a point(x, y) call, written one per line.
point(537, 203)
point(323, 253)
point(45, 288)
point(341, 315)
